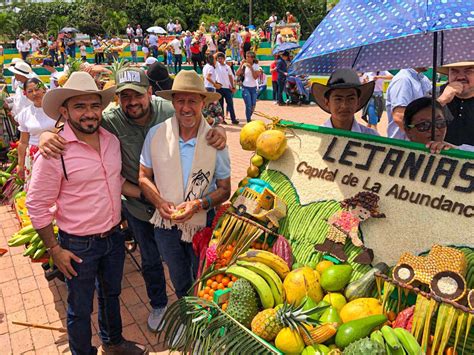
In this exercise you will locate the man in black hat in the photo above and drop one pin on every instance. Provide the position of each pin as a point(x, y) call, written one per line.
point(137, 112)
point(342, 97)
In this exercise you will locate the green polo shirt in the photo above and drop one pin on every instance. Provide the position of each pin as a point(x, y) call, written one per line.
point(131, 138)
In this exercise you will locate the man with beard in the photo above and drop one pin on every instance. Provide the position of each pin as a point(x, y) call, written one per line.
point(458, 99)
point(85, 188)
point(130, 122)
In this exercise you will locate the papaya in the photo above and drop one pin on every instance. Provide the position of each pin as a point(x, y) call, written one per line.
point(360, 308)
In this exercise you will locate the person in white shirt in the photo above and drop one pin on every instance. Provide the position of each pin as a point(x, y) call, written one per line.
point(35, 43)
point(225, 77)
point(177, 49)
point(22, 72)
point(209, 75)
point(32, 122)
point(374, 109)
point(23, 47)
point(129, 32)
point(134, 49)
point(249, 70)
point(417, 120)
point(139, 33)
point(342, 97)
point(170, 27)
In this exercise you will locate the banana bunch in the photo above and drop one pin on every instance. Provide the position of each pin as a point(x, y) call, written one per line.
point(28, 236)
point(397, 341)
point(265, 271)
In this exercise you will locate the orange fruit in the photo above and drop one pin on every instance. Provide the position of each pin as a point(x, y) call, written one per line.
point(213, 278)
point(258, 245)
point(219, 278)
point(227, 254)
point(225, 281)
point(208, 282)
point(207, 289)
point(211, 293)
point(234, 278)
point(224, 306)
point(230, 284)
point(201, 293)
point(214, 285)
point(220, 286)
point(264, 246)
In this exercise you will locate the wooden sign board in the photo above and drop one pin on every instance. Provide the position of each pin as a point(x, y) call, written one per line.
point(427, 198)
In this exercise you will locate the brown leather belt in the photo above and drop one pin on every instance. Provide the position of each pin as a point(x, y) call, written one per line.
point(95, 236)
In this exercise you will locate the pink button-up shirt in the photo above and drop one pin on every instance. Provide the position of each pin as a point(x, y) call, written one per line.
point(89, 202)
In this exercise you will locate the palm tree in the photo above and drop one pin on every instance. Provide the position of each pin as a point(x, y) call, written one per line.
point(8, 24)
point(115, 21)
point(55, 23)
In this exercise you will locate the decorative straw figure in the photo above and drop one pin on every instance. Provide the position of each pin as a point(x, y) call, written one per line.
point(345, 223)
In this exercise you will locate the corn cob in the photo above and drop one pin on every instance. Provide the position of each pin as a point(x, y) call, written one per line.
point(320, 333)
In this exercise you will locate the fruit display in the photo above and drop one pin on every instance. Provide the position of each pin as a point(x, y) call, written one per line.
point(286, 297)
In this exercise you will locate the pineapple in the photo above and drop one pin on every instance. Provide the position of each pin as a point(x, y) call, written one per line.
point(269, 322)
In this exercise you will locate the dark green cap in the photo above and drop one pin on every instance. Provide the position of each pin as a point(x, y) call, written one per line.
point(133, 79)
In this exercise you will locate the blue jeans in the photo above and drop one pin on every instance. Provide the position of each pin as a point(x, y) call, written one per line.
point(102, 270)
point(281, 90)
point(261, 90)
point(71, 51)
point(180, 258)
point(249, 94)
point(178, 61)
point(152, 266)
point(226, 94)
point(235, 54)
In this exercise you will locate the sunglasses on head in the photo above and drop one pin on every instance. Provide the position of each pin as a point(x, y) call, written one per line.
point(426, 125)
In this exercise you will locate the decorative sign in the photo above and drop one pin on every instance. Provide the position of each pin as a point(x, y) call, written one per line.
point(427, 198)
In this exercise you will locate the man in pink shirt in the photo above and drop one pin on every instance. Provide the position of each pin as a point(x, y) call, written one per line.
point(84, 188)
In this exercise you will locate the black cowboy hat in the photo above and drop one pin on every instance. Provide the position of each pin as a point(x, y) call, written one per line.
point(342, 79)
point(159, 77)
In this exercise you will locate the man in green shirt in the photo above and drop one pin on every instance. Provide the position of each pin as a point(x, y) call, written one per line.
point(137, 112)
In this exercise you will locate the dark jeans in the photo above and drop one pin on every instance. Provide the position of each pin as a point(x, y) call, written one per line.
point(261, 90)
point(246, 47)
point(102, 270)
point(226, 94)
point(71, 51)
point(54, 56)
point(178, 61)
point(249, 94)
point(180, 258)
point(154, 51)
point(153, 272)
point(275, 90)
point(281, 89)
point(24, 55)
point(196, 59)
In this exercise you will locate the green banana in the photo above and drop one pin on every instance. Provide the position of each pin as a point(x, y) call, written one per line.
point(390, 337)
point(408, 341)
point(260, 285)
point(270, 276)
point(39, 253)
point(21, 240)
point(377, 337)
point(35, 238)
point(31, 249)
point(27, 230)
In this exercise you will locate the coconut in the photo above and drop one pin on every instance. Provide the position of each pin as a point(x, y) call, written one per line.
point(271, 144)
point(250, 133)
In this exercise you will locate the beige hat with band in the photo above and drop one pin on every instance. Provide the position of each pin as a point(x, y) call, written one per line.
point(445, 68)
point(189, 82)
point(79, 83)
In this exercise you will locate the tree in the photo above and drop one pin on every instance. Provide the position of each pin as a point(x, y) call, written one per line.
point(8, 25)
point(163, 13)
point(115, 21)
point(55, 23)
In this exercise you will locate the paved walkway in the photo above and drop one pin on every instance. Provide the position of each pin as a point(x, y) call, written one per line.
point(25, 295)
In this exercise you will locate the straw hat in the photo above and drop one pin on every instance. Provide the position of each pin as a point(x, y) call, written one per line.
point(79, 83)
point(189, 82)
point(21, 68)
point(445, 68)
point(342, 79)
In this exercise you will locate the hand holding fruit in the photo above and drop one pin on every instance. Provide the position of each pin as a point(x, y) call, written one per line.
point(166, 209)
point(185, 211)
point(62, 259)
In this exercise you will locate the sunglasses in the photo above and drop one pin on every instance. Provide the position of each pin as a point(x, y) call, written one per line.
point(426, 125)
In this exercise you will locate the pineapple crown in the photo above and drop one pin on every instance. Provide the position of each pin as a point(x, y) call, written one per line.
point(296, 317)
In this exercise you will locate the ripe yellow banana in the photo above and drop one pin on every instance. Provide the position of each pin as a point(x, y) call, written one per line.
point(260, 285)
point(273, 261)
point(270, 276)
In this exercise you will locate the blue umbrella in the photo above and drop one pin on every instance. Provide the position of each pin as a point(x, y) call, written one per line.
point(371, 35)
point(285, 46)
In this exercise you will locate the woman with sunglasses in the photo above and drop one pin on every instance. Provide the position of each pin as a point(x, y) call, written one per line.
point(418, 122)
point(32, 122)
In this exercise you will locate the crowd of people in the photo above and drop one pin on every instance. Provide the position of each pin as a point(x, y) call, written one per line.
point(163, 148)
